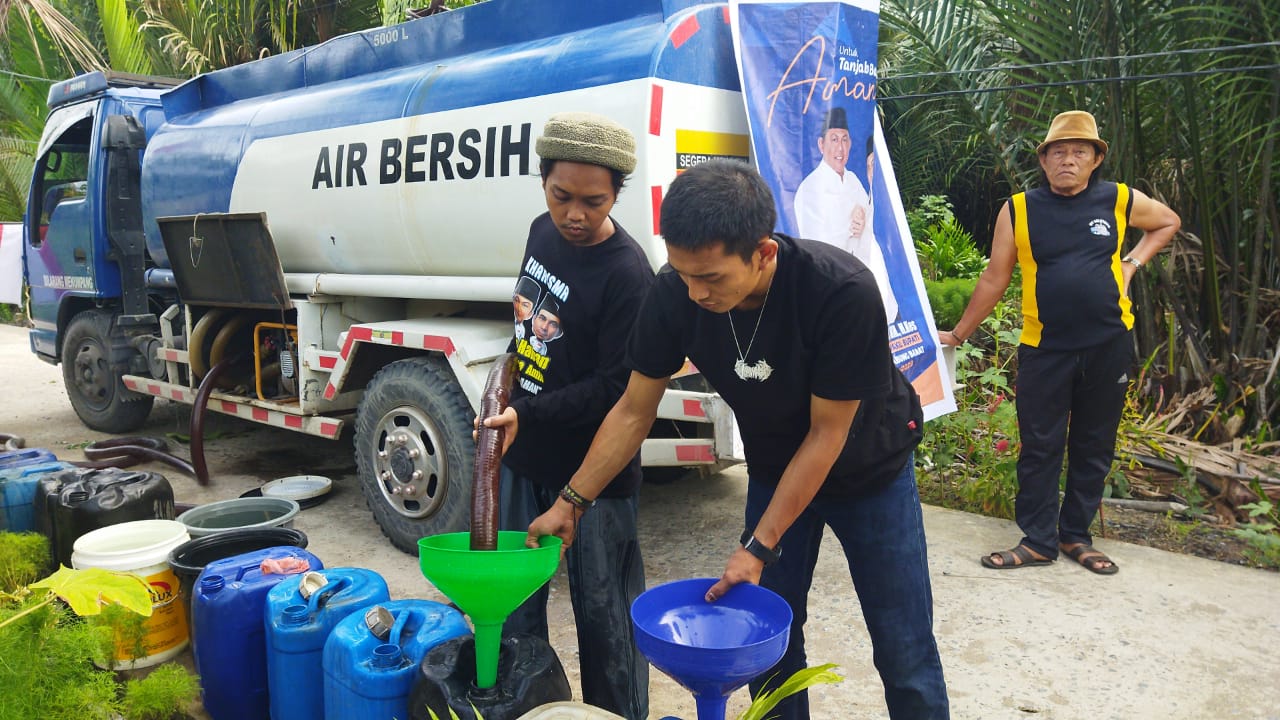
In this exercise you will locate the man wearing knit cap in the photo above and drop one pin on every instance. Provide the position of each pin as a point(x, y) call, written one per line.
point(591, 277)
point(1076, 347)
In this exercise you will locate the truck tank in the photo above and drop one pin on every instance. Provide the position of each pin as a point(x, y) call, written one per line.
point(409, 150)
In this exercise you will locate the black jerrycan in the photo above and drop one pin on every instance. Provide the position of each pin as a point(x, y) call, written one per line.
point(529, 675)
point(72, 502)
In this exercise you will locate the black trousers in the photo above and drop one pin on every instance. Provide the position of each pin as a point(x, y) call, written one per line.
point(606, 574)
point(1069, 401)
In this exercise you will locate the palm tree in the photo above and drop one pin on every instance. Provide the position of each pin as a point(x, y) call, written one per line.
point(1188, 94)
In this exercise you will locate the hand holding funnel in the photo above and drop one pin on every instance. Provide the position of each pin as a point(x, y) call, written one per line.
point(711, 649)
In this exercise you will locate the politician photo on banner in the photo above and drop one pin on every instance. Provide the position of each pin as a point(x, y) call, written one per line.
point(808, 73)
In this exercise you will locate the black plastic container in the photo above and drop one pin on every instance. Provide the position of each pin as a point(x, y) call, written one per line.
point(72, 502)
point(529, 675)
point(189, 558)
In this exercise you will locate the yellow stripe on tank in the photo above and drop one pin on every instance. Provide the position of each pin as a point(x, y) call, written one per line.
point(1122, 226)
point(1031, 325)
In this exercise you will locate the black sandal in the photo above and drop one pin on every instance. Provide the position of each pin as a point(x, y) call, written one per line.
point(1092, 559)
point(1022, 554)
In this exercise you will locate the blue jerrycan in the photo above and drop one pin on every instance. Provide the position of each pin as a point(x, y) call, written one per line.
point(371, 657)
point(18, 485)
point(228, 636)
point(24, 456)
point(301, 612)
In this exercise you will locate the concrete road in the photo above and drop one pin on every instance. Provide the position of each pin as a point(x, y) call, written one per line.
point(1169, 637)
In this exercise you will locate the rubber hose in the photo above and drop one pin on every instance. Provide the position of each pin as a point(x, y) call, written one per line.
point(488, 460)
point(129, 451)
point(195, 348)
point(12, 442)
point(224, 337)
point(197, 418)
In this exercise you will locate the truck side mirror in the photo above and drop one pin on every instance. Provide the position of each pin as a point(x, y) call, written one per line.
point(53, 161)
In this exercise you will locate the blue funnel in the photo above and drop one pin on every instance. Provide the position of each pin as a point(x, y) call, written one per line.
point(711, 649)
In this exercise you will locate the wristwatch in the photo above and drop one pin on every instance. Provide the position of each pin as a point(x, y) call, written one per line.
point(763, 553)
point(1132, 261)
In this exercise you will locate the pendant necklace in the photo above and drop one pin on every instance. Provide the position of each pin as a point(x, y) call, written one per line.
point(759, 370)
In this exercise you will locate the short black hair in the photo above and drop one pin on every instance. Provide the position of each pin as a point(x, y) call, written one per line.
point(718, 201)
point(619, 178)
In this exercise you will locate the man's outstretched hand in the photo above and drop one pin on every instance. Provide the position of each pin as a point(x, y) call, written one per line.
point(742, 567)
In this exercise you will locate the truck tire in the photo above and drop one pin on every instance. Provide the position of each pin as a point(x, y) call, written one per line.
point(414, 451)
point(94, 359)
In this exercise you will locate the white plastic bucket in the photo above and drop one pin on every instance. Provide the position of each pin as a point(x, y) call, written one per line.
point(142, 547)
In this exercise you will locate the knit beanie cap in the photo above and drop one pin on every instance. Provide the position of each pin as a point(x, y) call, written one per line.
point(588, 138)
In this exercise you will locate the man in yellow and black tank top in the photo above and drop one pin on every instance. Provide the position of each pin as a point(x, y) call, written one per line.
point(1076, 348)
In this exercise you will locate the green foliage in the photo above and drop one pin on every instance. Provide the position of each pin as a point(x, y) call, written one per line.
point(1262, 532)
point(932, 210)
point(128, 631)
point(802, 679)
point(969, 457)
point(944, 248)
point(48, 654)
point(89, 590)
point(47, 669)
point(948, 298)
point(24, 557)
point(161, 694)
point(968, 88)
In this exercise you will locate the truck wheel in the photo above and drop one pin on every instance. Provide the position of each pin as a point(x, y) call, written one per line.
point(93, 363)
point(414, 451)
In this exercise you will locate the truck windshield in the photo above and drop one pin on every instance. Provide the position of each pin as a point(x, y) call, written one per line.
point(62, 174)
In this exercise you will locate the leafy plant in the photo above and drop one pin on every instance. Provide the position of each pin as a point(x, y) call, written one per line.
point(1261, 533)
point(971, 455)
point(49, 649)
point(800, 680)
point(948, 298)
point(158, 695)
point(23, 558)
point(932, 210)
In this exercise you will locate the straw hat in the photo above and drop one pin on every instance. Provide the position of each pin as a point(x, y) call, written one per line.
point(1073, 125)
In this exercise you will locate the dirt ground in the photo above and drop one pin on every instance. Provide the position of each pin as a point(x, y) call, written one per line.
point(1189, 537)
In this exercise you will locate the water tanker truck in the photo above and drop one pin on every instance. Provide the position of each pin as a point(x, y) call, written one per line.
point(331, 236)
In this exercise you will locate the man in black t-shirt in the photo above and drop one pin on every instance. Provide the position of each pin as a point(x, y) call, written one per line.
point(791, 333)
point(586, 277)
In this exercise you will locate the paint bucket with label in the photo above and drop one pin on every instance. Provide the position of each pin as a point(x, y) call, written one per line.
point(142, 547)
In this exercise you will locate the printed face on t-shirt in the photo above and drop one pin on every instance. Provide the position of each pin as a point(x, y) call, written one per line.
point(546, 325)
point(523, 307)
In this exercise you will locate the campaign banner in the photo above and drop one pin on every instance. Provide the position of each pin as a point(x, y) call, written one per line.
point(808, 74)
point(11, 263)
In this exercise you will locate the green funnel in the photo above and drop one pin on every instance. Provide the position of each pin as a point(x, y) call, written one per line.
point(488, 585)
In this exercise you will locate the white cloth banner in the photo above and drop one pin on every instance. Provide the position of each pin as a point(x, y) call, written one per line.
point(11, 263)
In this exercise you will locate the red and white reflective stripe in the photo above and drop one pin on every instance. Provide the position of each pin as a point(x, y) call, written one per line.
point(325, 427)
point(677, 452)
point(381, 336)
point(172, 355)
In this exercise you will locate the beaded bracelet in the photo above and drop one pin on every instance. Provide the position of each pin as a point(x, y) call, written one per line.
point(572, 497)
